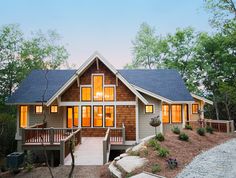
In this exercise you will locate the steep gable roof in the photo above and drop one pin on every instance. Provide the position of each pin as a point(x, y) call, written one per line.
point(166, 83)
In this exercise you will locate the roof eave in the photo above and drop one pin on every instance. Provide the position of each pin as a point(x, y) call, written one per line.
point(202, 98)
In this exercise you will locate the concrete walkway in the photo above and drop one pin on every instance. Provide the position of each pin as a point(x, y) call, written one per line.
point(89, 152)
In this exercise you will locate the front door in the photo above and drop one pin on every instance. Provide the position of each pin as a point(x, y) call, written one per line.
point(72, 116)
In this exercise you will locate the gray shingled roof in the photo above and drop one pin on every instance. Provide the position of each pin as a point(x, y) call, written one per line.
point(32, 88)
point(163, 82)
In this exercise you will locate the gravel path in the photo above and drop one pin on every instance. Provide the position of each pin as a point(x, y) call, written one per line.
point(217, 162)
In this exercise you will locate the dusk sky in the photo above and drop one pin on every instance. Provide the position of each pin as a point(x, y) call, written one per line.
point(107, 26)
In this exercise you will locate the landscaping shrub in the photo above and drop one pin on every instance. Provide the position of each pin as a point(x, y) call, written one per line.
point(163, 152)
point(160, 137)
point(183, 136)
point(153, 143)
point(156, 168)
point(188, 127)
point(209, 129)
point(201, 131)
point(172, 163)
point(176, 130)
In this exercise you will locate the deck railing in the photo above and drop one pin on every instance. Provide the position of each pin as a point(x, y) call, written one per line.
point(217, 125)
point(118, 135)
point(106, 146)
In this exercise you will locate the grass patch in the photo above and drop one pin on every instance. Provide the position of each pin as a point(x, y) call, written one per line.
point(188, 127)
point(201, 131)
point(160, 137)
point(176, 130)
point(183, 136)
point(163, 152)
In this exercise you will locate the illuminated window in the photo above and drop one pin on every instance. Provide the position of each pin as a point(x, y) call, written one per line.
point(97, 87)
point(109, 93)
point(53, 109)
point(38, 109)
point(76, 115)
point(86, 116)
point(69, 117)
point(23, 116)
point(149, 109)
point(97, 116)
point(195, 108)
point(185, 112)
point(176, 113)
point(109, 116)
point(165, 113)
point(86, 93)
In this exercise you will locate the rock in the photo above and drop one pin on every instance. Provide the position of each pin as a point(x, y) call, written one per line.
point(138, 147)
point(146, 139)
point(130, 163)
point(123, 155)
point(128, 149)
point(117, 158)
point(114, 170)
point(146, 175)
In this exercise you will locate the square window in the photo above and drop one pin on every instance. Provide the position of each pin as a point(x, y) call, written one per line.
point(54, 109)
point(86, 93)
point(38, 109)
point(149, 109)
point(109, 93)
point(195, 108)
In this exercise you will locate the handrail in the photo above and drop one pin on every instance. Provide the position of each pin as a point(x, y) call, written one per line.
point(106, 146)
point(118, 135)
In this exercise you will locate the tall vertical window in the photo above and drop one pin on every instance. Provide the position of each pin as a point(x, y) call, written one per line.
point(86, 94)
point(109, 93)
point(38, 109)
point(69, 117)
point(109, 116)
point(97, 116)
point(86, 116)
point(23, 116)
point(76, 115)
point(185, 112)
point(195, 108)
point(176, 113)
point(165, 113)
point(97, 87)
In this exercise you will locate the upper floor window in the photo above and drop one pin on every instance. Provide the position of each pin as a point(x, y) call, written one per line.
point(38, 109)
point(54, 109)
point(195, 108)
point(23, 116)
point(109, 93)
point(149, 109)
point(86, 94)
point(97, 87)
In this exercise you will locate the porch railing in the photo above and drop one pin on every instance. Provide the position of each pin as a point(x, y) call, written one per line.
point(118, 135)
point(106, 146)
point(217, 125)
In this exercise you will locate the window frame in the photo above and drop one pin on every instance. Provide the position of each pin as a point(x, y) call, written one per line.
point(114, 91)
point(90, 116)
point(197, 108)
point(27, 115)
point(51, 109)
point(113, 106)
point(81, 91)
point(181, 121)
point(102, 115)
point(35, 110)
point(145, 111)
point(169, 115)
point(92, 84)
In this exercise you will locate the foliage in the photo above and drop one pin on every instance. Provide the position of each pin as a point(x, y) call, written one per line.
point(160, 137)
point(163, 152)
point(201, 131)
point(183, 136)
point(172, 163)
point(209, 129)
point(29, 167)
point(188, 127)
point(134, 153)
point(156, 168)
point(175, 130)
point(153, 143)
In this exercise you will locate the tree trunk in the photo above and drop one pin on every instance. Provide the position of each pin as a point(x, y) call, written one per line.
point(73, 158)
point(216, 107)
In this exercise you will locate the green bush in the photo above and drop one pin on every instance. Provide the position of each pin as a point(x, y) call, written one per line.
point(183, 136)
point(176, 130)
point(209, 129)
point(160, 137)
point(201, 131)
point(156, 168)
point(153, 143)
point(188, 127)
point(163, 152)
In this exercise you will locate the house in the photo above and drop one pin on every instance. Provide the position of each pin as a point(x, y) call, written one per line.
point(97, 97)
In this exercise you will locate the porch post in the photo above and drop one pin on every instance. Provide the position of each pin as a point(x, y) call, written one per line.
point(183, 119)
point(137, 120)
point(160, 115)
